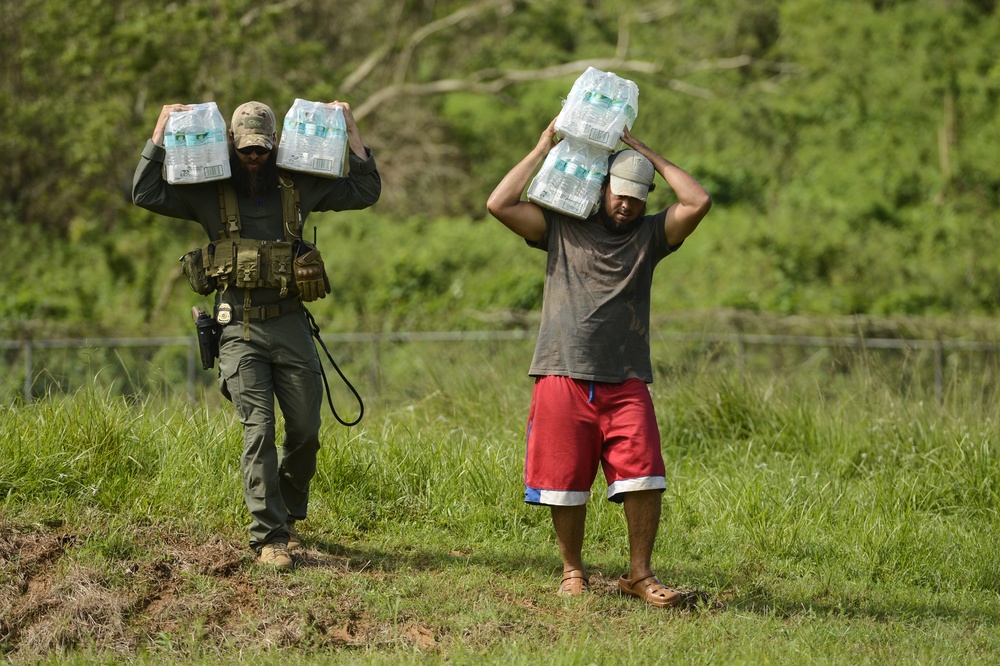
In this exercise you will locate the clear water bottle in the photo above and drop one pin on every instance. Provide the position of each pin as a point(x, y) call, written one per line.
point(624, 106)
point(598, 114)
point(196, 145)
point(550, 187)
point(596, 175)
point(576, 112)
point(313, 139)
point(571, 168)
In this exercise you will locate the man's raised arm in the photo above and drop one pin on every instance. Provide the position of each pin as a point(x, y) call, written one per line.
point(524, 218)
point(693, 201)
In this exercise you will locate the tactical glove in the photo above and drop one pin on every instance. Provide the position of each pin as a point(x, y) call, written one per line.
point(310, 274)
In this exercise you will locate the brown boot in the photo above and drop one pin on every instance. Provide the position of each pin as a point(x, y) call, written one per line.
point(294, 540)
point(276, 555)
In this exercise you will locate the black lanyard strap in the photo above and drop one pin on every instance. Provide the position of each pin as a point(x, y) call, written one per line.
point(361, 405)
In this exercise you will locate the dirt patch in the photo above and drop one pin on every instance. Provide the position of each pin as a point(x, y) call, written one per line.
point(172, 597)
point(182, 598)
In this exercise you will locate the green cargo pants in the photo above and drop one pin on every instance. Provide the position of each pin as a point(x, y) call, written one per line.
point(278, 362)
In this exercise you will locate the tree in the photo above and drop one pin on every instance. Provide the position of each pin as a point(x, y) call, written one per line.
point(397, 62)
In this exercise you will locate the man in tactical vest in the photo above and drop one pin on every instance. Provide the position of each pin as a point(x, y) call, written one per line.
point(261, 271)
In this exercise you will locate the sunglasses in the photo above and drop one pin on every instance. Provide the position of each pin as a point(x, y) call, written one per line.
point(254, 150)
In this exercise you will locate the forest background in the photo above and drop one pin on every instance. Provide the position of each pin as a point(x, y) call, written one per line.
point(850, 148)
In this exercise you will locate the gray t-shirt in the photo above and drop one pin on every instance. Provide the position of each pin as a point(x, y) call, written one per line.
point(595, 313)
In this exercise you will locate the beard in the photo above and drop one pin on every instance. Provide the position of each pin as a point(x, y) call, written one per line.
point(256, 184)
point(612, 225)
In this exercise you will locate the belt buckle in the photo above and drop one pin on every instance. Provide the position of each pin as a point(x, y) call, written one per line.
point(265, 311)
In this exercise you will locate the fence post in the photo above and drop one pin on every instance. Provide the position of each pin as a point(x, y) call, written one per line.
point(741, 353)
point(28, 366)
point(191, 372)
point(939, 371)
point(375, 369)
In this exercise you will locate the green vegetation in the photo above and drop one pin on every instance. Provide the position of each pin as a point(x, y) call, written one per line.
point(836, 525)
point(850, 148)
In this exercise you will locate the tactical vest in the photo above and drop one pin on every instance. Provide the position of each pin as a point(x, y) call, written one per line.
point(246, 263)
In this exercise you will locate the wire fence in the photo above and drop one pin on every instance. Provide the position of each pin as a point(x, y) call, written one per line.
point(389, 364)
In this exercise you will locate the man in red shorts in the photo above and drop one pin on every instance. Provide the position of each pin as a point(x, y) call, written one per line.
point(591, 405)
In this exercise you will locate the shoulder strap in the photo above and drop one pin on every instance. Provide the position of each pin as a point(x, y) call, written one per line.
point(230, 211)
point(290, 211)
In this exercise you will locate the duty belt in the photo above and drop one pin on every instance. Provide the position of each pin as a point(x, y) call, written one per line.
point(265, 312)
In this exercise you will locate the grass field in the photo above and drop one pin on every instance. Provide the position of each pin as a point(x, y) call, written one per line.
point(810, 518)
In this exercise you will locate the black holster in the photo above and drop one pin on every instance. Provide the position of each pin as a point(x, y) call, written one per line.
point(208, 337)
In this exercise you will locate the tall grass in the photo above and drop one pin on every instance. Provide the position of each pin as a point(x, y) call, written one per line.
point(834, 520)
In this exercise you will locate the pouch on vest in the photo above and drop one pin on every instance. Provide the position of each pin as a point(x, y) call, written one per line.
point(247, 265)
point(193, 267)
point(220, 260)
point(279, 266)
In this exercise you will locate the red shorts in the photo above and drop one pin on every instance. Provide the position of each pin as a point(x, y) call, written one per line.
point(575, 425)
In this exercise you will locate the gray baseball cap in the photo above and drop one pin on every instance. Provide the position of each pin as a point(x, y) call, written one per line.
point(631, 174)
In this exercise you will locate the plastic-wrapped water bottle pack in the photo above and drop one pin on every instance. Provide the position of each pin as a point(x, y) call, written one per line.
point(570, 179)
point(599, 107)
point(313, 139)
point(196, 146)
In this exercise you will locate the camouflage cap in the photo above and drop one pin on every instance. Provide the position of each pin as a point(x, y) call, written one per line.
point(253, 125)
